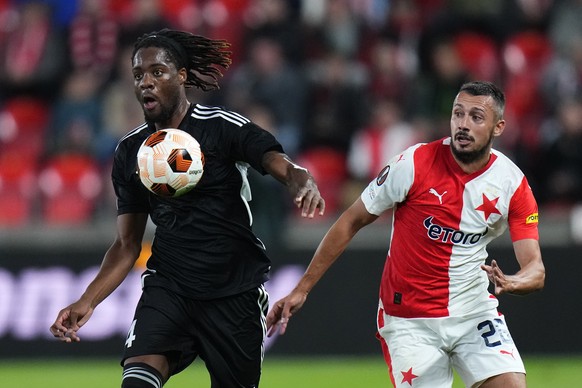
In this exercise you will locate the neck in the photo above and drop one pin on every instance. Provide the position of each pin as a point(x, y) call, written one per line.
point(473, 166)
point(177, 117)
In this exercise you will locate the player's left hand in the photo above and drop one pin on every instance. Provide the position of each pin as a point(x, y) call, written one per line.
point(308, 199)
point(496, 276)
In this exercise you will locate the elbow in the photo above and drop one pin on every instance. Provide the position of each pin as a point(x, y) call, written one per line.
point(129, 249)
point(541, 276)
point(537, 277)
point(134, 250)
point(541, 279)
point(536, 282)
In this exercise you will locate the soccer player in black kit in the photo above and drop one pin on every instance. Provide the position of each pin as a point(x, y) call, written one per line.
point(203, 293)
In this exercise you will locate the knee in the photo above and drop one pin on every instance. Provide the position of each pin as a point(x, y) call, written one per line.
point(141, 375)
point(504, 380)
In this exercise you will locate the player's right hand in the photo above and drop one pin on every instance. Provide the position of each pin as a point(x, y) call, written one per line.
point(279, 316)
point(69, 321)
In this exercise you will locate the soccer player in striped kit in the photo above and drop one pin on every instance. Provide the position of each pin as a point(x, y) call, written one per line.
point(203, 294)
point(451, 197)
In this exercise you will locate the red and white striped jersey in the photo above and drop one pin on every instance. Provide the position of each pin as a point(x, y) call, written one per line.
point(443, 220)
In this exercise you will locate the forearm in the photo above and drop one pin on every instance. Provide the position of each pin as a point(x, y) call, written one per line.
point(532, 274)
point(529, 279)
point(298, 180)
point(282, 168)
point(117, 263)
point(331, 247)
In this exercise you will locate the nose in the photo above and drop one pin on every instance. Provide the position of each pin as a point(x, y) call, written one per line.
point(462, 122)
point(146, 82)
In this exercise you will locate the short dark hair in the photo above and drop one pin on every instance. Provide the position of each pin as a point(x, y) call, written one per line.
point(486, 88)
point(199, 55)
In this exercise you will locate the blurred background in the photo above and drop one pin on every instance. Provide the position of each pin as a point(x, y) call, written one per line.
point(343, 84)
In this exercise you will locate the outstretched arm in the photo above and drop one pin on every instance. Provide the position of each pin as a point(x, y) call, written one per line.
point(117, 263)
point(333, 244)
point(298, 180)
point(529, 278)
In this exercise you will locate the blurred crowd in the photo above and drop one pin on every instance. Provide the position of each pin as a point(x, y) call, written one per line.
point(343, 84)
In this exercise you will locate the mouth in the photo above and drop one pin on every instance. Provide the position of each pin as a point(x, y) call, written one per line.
point(463, 139)
point(149, 102)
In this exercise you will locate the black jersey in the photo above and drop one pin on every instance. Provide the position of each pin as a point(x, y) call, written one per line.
point(203, 246)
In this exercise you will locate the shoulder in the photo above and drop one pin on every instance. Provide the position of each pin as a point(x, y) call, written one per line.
point(216, 113)
point(504, 164)
point(420, 153)
point(137, 134)
point(430, 149)
point(502, 158)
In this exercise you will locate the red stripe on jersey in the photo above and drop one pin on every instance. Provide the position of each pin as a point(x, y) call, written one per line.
point(385, 350)
point(443, 219)
point(415, 280)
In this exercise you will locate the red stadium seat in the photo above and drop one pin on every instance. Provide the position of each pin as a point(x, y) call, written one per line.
point(479, 54)
point(17, 189)
point(70, 186)
point(23, 123)
point(527, 51)
point(525, 57)
point(328, 167)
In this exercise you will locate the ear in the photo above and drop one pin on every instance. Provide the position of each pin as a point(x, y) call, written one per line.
point(499, 128)
point(183, 75)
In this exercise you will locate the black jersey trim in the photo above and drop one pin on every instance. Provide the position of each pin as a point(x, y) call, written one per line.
point(207, 112)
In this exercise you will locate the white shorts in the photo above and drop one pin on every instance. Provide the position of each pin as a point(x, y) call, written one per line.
point(422, 352)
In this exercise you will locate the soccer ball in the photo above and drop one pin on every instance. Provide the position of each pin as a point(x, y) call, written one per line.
point(170, 162)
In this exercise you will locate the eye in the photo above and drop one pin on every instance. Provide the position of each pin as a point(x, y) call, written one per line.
point(158, 73)
point(137, 76)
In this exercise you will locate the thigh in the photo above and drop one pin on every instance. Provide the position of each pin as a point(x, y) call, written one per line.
point(414, 354)
point(161, 327)
point(231, 338)
point(486, 349)
point(505, 380)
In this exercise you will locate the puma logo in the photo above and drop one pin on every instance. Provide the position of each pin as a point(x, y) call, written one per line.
point(436, 194)
point(506, 352)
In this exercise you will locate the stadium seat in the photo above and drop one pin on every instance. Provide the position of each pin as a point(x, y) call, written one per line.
point(23, 123)
point(70, 185)
point(479, 54)
point(17, 189)
point(526, 51)
point(328, 167)
point(525, 57)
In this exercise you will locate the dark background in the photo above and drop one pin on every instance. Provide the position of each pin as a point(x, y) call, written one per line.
point(339, 316)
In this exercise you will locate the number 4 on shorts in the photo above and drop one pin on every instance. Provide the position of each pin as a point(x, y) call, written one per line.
point(130, 335)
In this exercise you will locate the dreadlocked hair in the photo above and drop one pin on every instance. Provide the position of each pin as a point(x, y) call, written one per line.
point(199, 55)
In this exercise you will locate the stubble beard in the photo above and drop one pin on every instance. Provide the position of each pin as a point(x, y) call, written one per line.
point(168, 108)
point(164, 116)
point(469, 157)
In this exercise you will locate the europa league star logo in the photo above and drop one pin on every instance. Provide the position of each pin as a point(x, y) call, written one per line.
point(383, 175)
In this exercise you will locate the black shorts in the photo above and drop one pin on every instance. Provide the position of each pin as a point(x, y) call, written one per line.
point(226, 333)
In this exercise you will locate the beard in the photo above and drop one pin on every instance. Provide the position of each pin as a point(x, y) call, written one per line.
point(168, 106)
point(470, 156)
point(164, 116)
